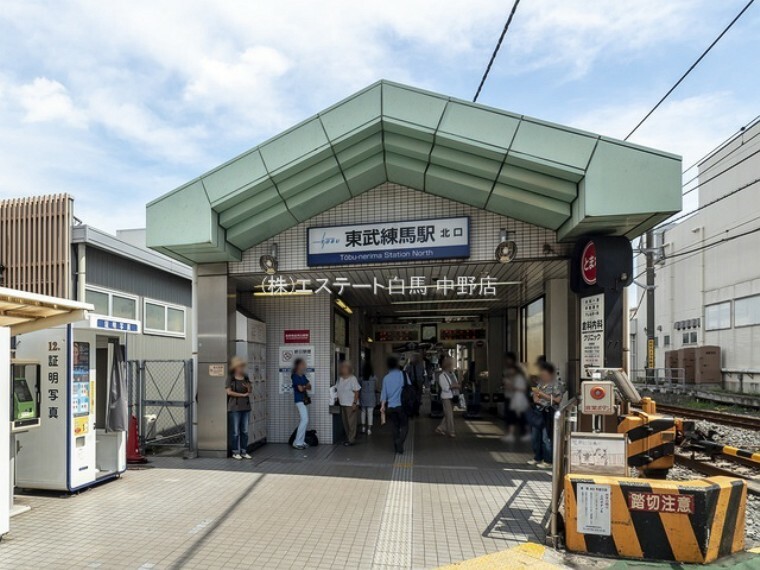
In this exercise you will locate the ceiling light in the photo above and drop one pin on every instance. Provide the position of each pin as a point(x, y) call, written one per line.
point(431, 318)
point(441, 301)
point(296, 293)
point(415, 311)
point(340, 303)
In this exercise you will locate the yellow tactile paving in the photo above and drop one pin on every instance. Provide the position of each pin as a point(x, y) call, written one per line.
point(527, 555)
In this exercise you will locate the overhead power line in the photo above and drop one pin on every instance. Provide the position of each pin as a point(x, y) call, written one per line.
point(691, 68)
point(496, 50)
point(710, 203)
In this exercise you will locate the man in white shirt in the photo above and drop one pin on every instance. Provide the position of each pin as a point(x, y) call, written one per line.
point(348, 398)
point(449, 387)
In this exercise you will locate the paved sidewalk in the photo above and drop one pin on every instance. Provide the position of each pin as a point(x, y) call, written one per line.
point(444, 501)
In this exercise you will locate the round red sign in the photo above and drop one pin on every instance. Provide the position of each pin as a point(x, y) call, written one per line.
point(588, 264)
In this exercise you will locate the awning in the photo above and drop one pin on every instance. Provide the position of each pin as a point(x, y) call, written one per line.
point(27, 312)
point(570, 181)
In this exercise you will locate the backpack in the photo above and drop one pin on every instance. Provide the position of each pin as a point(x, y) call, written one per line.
point(408, 396)
point(310, 438)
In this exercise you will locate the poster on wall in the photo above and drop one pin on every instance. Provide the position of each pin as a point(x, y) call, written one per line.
point(594, 509)
point(592, 333)
point(287, 355)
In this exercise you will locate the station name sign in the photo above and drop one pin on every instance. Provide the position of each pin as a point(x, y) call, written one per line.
point(386, 242)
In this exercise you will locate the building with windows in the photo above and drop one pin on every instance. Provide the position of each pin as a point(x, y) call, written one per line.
point(707, 272)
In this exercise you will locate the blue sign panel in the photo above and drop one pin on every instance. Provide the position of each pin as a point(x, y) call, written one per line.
point(112, 325)
point(386, 242)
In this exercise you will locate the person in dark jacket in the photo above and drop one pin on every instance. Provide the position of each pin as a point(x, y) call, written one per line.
point(238, 388)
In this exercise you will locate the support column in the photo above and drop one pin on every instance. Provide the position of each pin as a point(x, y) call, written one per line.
point(215, 311)
point(556, 324)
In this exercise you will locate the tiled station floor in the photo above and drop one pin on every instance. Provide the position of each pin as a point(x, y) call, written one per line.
point(443, 501)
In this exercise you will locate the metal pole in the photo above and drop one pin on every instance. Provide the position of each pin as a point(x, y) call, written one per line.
point(650, 302)
point(559, 452)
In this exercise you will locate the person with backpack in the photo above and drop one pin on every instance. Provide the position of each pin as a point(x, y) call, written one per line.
point(448, 385)
point(391, 402)
point(238, 388)
point(301, 386)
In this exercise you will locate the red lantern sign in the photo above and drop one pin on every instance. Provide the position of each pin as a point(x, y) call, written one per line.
point(588, 263)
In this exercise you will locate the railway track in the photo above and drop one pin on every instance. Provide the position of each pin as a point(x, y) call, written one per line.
point(733, 420)
point(707, 467)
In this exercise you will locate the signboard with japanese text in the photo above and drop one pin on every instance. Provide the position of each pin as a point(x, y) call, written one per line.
point(288, 355)
point(661, 503)
point(389, 242)
point(592, 333)
point(297, 336)
point(594, 509)
point(114, 324)
point(598, 454)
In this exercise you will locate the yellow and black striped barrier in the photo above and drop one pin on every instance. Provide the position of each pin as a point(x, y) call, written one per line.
point(683, 521)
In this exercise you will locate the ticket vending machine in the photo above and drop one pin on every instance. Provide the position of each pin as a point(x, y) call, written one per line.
point(73, 446)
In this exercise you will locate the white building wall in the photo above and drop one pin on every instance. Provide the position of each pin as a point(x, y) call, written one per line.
point(693, 276)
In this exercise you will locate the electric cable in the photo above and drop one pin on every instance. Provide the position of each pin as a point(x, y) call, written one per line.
point(496, 50)
point(691, 68)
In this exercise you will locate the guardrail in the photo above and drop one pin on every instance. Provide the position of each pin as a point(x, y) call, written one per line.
point(560, 451)
point(669, 378)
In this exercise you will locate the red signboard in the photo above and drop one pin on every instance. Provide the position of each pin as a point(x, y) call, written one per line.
point(661, 503)
point(297, 336)
point(588, 263)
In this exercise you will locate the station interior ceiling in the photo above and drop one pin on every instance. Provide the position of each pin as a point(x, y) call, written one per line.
point(517, 283)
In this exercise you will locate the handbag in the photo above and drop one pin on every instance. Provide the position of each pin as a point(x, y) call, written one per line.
point(454, 397)
point(306, 399)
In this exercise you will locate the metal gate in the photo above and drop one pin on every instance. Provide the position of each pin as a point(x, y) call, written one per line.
point(161, 396)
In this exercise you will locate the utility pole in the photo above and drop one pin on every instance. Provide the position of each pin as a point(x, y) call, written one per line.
point(650, 250)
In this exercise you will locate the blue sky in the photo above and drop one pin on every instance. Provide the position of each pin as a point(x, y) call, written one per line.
point(117, 103)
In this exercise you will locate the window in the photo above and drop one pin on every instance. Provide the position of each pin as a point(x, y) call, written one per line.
point(164, 319)
point(690, 337)
point(112, 304)
point(123, 307)
point(718, 316)
point(97, 299)
point(532, 341)
point(666, 340)
point(747, 311)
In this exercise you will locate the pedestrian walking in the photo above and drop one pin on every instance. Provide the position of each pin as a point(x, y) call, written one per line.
point(516, 402)
point(448, 386)
point(348, 398)
point(238, 388)
point(301, 387)
point(368, 401)
point(390, 400)
point(415, 371)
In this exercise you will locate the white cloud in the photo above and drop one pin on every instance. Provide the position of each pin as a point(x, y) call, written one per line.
point(139, 96)
point(48, 100)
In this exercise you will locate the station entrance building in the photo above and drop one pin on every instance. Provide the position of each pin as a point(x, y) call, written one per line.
point(403, 221)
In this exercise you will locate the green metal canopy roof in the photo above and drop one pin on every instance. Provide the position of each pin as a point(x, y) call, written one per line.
point(552, 176)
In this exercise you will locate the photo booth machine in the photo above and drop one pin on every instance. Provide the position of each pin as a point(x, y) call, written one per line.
point(20, 396)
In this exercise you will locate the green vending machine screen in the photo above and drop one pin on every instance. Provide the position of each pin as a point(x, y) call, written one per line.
point(24, 405)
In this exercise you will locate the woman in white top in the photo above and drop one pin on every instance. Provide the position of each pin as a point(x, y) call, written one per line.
point(368, 401)
point(348, 398)
point(449, 386)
